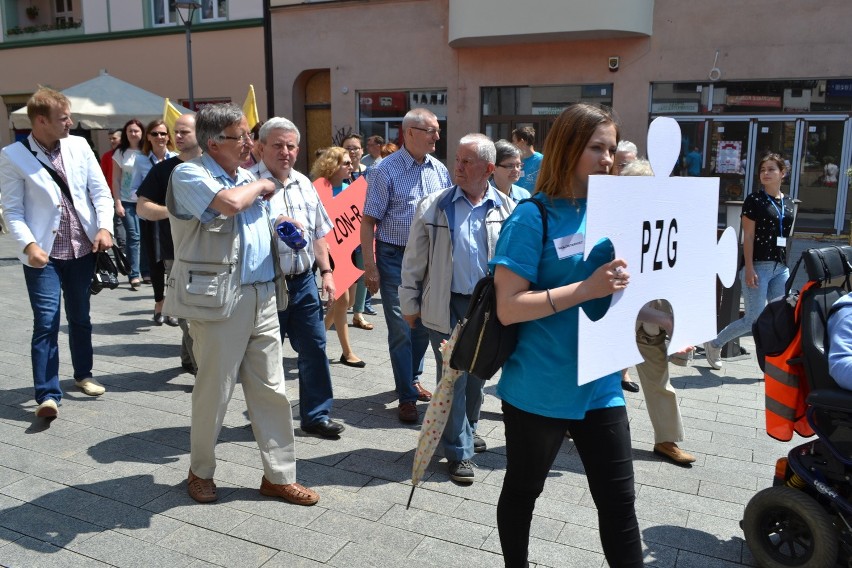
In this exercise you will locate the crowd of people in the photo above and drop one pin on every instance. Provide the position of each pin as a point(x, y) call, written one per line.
point(428, 235)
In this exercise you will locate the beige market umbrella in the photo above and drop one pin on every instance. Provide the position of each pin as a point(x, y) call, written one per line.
point(435, 419)
point(105, 103)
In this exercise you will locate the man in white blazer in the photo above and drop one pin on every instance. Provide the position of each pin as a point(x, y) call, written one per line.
point(58, 208)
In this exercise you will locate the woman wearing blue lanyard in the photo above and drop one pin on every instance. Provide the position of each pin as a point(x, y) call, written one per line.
point(767, 223)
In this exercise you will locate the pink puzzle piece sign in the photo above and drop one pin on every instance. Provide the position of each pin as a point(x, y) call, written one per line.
point(345, 236)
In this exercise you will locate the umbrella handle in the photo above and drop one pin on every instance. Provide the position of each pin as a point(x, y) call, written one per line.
point(410, 495)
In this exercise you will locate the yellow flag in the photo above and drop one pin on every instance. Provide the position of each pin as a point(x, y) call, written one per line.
point(250, 108)
point(170, 115)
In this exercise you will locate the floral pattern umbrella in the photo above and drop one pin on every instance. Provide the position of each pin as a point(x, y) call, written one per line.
point(437, 414)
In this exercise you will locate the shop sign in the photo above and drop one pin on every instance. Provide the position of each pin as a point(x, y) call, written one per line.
point(548, 110)
point(728, 157)
point(754, 101)
point(674, 107)
point(839, 88)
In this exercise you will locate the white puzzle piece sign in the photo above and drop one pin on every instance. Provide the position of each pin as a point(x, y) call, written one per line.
point(665, 228)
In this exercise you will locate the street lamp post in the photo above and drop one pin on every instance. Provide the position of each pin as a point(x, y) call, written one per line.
point(186, 12)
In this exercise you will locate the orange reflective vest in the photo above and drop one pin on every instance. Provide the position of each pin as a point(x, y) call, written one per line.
point(787, 386)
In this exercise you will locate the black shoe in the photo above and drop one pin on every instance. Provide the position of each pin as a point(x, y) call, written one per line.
point(325, 427)
point(159, 319)
point(479, 445)
point(630, 386)
point(189, 368)
point(461, 471)
point(172, 321)
point(356, 364)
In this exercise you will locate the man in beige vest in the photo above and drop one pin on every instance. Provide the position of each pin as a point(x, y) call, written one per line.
point(223, 282)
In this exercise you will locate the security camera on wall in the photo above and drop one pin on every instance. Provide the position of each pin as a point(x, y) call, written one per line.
point(613, 63)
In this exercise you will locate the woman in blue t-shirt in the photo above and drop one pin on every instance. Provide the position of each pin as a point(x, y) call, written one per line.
point(542, 288)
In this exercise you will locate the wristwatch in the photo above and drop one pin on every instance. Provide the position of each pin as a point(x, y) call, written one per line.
point(326, 271)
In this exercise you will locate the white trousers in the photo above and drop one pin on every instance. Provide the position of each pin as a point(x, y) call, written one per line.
point(246, 346)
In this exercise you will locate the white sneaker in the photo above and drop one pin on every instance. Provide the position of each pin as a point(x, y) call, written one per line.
point(714, 355)
point(47, 409)
point(91, 387)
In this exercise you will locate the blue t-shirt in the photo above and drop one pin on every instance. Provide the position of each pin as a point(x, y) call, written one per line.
point(529, 171)
point(540, 377)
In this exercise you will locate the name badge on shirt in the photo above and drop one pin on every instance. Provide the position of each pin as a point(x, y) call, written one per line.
point(569, 245)
point(781, 241)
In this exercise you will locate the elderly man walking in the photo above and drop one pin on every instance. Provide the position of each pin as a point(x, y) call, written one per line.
point(394, 188)
point(302, 321)
point(222, 281)
point(58, 208)
point(451, 241)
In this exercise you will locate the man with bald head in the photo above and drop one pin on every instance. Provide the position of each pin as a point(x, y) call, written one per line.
point(394, 188)
point(152, 207)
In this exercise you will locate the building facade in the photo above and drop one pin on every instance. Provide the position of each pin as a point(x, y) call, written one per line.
point(740, 77)
point(60, 43)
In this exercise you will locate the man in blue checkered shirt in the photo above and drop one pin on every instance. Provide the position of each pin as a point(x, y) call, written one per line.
point(395, 187)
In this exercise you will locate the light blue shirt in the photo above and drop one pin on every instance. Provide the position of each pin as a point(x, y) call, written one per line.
point(195, 183)
point(840, 348)
point(143, 165)
point(529, 171)
point(540, 376)
point(470, 243)
point(517, 193)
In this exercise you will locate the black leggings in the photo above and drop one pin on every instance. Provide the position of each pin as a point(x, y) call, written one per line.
point(602, 439)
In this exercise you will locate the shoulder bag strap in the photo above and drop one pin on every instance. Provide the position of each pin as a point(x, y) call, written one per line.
point(543, 211)
point(53, 173)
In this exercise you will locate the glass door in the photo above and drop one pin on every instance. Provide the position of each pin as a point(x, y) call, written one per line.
point(728, 151)
point(819, 172)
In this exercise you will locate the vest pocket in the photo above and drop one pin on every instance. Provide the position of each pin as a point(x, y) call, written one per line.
point(206, 285)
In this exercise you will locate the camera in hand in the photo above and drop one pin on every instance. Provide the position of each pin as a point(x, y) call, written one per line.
point(291, 235)
point(103, 279)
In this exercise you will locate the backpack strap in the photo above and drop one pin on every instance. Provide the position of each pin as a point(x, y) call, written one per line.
point(543, 211)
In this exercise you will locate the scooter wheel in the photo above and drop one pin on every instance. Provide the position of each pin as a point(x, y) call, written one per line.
point(785, 528)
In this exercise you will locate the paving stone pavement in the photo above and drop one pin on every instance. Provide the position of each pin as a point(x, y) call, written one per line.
point(105, 483)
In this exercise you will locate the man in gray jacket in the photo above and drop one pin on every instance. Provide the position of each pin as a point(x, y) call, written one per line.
point(452, 237)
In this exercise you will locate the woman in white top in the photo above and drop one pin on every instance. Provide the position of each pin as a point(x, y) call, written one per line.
point(125, 199)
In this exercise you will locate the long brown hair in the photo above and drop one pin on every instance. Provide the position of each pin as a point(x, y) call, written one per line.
point(566, 142)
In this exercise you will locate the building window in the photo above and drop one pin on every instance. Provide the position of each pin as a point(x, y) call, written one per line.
point(164, 12)
point(64, 12)
point(507, 108)
point(213, 10)
point(381, 112)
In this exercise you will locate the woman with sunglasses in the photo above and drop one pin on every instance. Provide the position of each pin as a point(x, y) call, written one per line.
point(158, 146)
point(508, 171)
point(335, 165)
point(125, 198)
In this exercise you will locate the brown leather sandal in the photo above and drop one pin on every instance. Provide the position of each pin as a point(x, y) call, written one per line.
point(361, 323)
point(202, 490)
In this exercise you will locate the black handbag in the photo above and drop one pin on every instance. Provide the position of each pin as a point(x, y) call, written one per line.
point(483, 343)
point(106, 271)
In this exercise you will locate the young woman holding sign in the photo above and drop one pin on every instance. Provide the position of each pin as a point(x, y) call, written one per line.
point(541, 288)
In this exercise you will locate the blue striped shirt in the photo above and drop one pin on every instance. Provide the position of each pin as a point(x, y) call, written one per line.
point(195, 183)
point(395, 187)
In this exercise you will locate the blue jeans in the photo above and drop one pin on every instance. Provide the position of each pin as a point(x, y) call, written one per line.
point(361, 288)
point(132, 237)
point(302, 323)
point(72, 279)
point(771, 278)
point(407, 346)
point(468, 393)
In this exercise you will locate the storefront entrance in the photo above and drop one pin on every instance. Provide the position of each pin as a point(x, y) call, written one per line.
point(812, 146)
